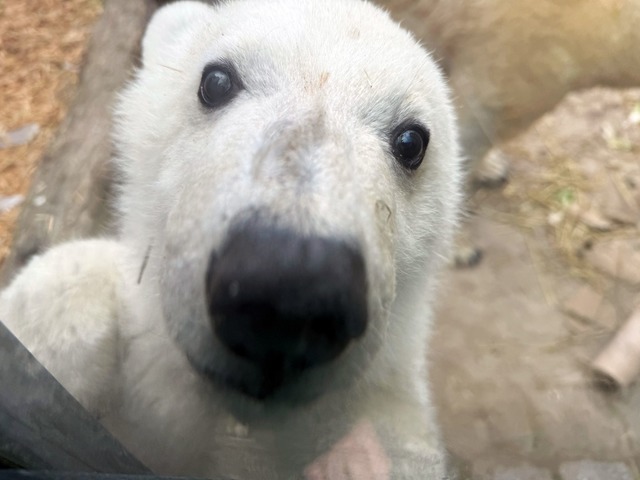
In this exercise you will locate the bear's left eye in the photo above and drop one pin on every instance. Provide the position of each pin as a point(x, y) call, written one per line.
point(409, 144)
point(217, 85)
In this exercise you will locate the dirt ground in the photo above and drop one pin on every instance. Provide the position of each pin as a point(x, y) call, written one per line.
point(515, 335)
point(510, 358)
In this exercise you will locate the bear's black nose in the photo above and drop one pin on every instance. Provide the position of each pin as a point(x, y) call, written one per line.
point(283, 301)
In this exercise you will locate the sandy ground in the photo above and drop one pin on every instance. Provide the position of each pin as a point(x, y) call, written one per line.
point(509, 364)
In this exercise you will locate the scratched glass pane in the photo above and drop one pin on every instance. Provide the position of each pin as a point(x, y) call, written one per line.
point(320, 239)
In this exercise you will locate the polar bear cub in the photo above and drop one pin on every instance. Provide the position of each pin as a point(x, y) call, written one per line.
point(290, 187)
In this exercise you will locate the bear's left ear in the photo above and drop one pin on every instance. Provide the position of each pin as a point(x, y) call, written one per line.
point(168, 25)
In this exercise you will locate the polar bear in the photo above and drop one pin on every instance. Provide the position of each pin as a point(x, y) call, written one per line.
point(290, 185)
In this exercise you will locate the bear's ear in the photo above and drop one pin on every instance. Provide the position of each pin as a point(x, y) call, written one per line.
point(167, 26)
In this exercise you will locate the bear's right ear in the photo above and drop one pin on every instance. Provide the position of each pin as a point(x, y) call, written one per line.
point(168, 25)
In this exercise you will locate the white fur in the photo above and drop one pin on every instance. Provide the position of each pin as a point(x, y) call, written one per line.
point(307, 140)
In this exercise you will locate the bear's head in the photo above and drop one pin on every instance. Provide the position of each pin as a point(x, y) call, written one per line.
point(294, 166)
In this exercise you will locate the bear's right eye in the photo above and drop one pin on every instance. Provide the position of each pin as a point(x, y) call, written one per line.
point(217, 85)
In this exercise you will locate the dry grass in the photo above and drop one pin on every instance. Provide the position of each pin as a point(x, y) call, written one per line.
point(554, 190)
point(42, 43)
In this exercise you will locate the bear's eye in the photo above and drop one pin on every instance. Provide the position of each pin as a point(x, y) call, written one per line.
point(217, 85)
point(409, 144)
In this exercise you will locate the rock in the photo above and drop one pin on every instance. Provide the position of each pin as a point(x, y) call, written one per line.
point(619, 258)
point(590, 470)
point(555, 218)
point(493, 170)
point(590, 306)
point(525, 472)
point(584, 303)
point(595, 220)
point(21, 136)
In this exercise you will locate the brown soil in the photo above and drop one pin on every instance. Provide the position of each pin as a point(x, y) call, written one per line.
point(510, 368)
